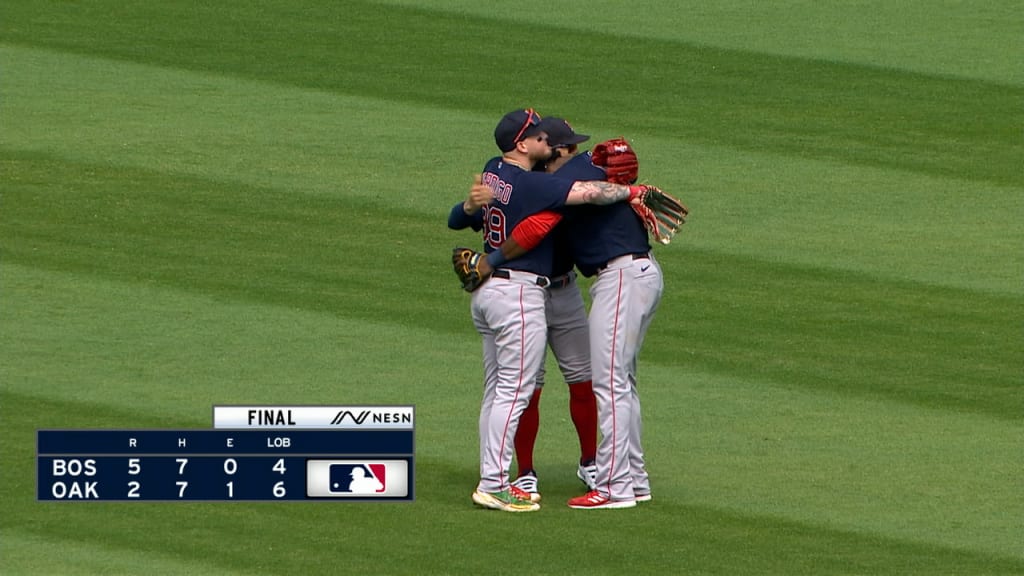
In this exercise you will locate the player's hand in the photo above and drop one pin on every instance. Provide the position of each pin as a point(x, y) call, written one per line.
point(480, 195)
point(471, 268)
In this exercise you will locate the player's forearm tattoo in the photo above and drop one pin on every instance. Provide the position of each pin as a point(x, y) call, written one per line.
point(596, 192)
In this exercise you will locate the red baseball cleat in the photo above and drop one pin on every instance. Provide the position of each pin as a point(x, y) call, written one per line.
point(593, 500)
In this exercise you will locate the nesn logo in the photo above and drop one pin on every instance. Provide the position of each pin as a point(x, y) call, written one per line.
point(357, 478)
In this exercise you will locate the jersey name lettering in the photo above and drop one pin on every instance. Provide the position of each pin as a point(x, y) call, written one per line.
point(502, 190)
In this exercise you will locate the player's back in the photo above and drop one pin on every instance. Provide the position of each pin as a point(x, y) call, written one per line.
point(597, 234)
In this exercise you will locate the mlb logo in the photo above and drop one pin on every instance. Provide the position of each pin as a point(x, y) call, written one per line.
point(358, 479)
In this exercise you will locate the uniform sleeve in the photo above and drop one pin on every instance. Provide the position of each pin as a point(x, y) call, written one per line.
point(534, 228)
point(459, 220)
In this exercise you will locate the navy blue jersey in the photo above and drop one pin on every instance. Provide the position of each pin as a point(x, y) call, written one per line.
point(597, 234)
point(519, 193)
point(563, 261)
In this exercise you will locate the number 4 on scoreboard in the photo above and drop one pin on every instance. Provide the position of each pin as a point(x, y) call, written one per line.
point(279, 467)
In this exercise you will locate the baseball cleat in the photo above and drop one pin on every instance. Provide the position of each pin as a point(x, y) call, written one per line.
point(504, 501)
point(593, 500)
point(527, 484)
point(587, 473)
point(643, 497)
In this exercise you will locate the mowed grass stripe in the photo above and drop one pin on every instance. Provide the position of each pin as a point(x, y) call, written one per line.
point(803, 326)
point(176, 351)
point(871, 465)
point(237, 130)
point(955, 39)
point(803, 107)
point(27, 552)
point(771, 206)
point(286, 539)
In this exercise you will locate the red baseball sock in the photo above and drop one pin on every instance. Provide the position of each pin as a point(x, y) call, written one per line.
point(526, 434)
point(583, 410)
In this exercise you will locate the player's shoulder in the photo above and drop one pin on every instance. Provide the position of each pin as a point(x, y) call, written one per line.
point(493, 165)
point(545, 180)
point(581, 167)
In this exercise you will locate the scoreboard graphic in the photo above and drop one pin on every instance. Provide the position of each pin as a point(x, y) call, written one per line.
point(253, 453)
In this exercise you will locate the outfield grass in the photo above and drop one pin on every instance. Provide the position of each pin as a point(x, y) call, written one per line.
point(245, 203)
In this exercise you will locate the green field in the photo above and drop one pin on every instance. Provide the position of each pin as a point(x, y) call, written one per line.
point(245, 202)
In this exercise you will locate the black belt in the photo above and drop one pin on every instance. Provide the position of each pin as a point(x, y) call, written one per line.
point(542, 281)
point(561, 282)
point(636, 256)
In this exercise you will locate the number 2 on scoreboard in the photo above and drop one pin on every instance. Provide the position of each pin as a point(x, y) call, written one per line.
point(134, 469)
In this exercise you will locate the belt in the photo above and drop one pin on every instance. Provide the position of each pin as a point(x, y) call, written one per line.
point(562, 281)
point(542, 281)
point(634, 256)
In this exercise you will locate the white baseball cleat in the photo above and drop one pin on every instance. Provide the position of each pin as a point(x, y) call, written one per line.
point(642, 497)
point(587, 473)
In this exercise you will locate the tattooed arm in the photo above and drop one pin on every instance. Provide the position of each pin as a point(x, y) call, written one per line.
point(598, 192)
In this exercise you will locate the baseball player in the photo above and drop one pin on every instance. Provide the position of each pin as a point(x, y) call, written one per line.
point(568, 339)
point(611, 243)
point(509, 309)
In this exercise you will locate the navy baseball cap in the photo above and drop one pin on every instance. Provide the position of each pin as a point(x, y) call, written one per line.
point(560, 133)
point(515, 126)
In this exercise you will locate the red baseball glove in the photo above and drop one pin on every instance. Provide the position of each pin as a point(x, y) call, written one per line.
point(618, 159)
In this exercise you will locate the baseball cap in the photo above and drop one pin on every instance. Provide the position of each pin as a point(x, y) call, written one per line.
point(515, 126)
point(560, 133)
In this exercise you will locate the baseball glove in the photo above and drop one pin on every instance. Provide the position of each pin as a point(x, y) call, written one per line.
point(661, 213)
point(618, 159)
point(466, 263)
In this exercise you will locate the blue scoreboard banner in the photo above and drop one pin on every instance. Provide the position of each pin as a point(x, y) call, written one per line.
point(307, 453)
